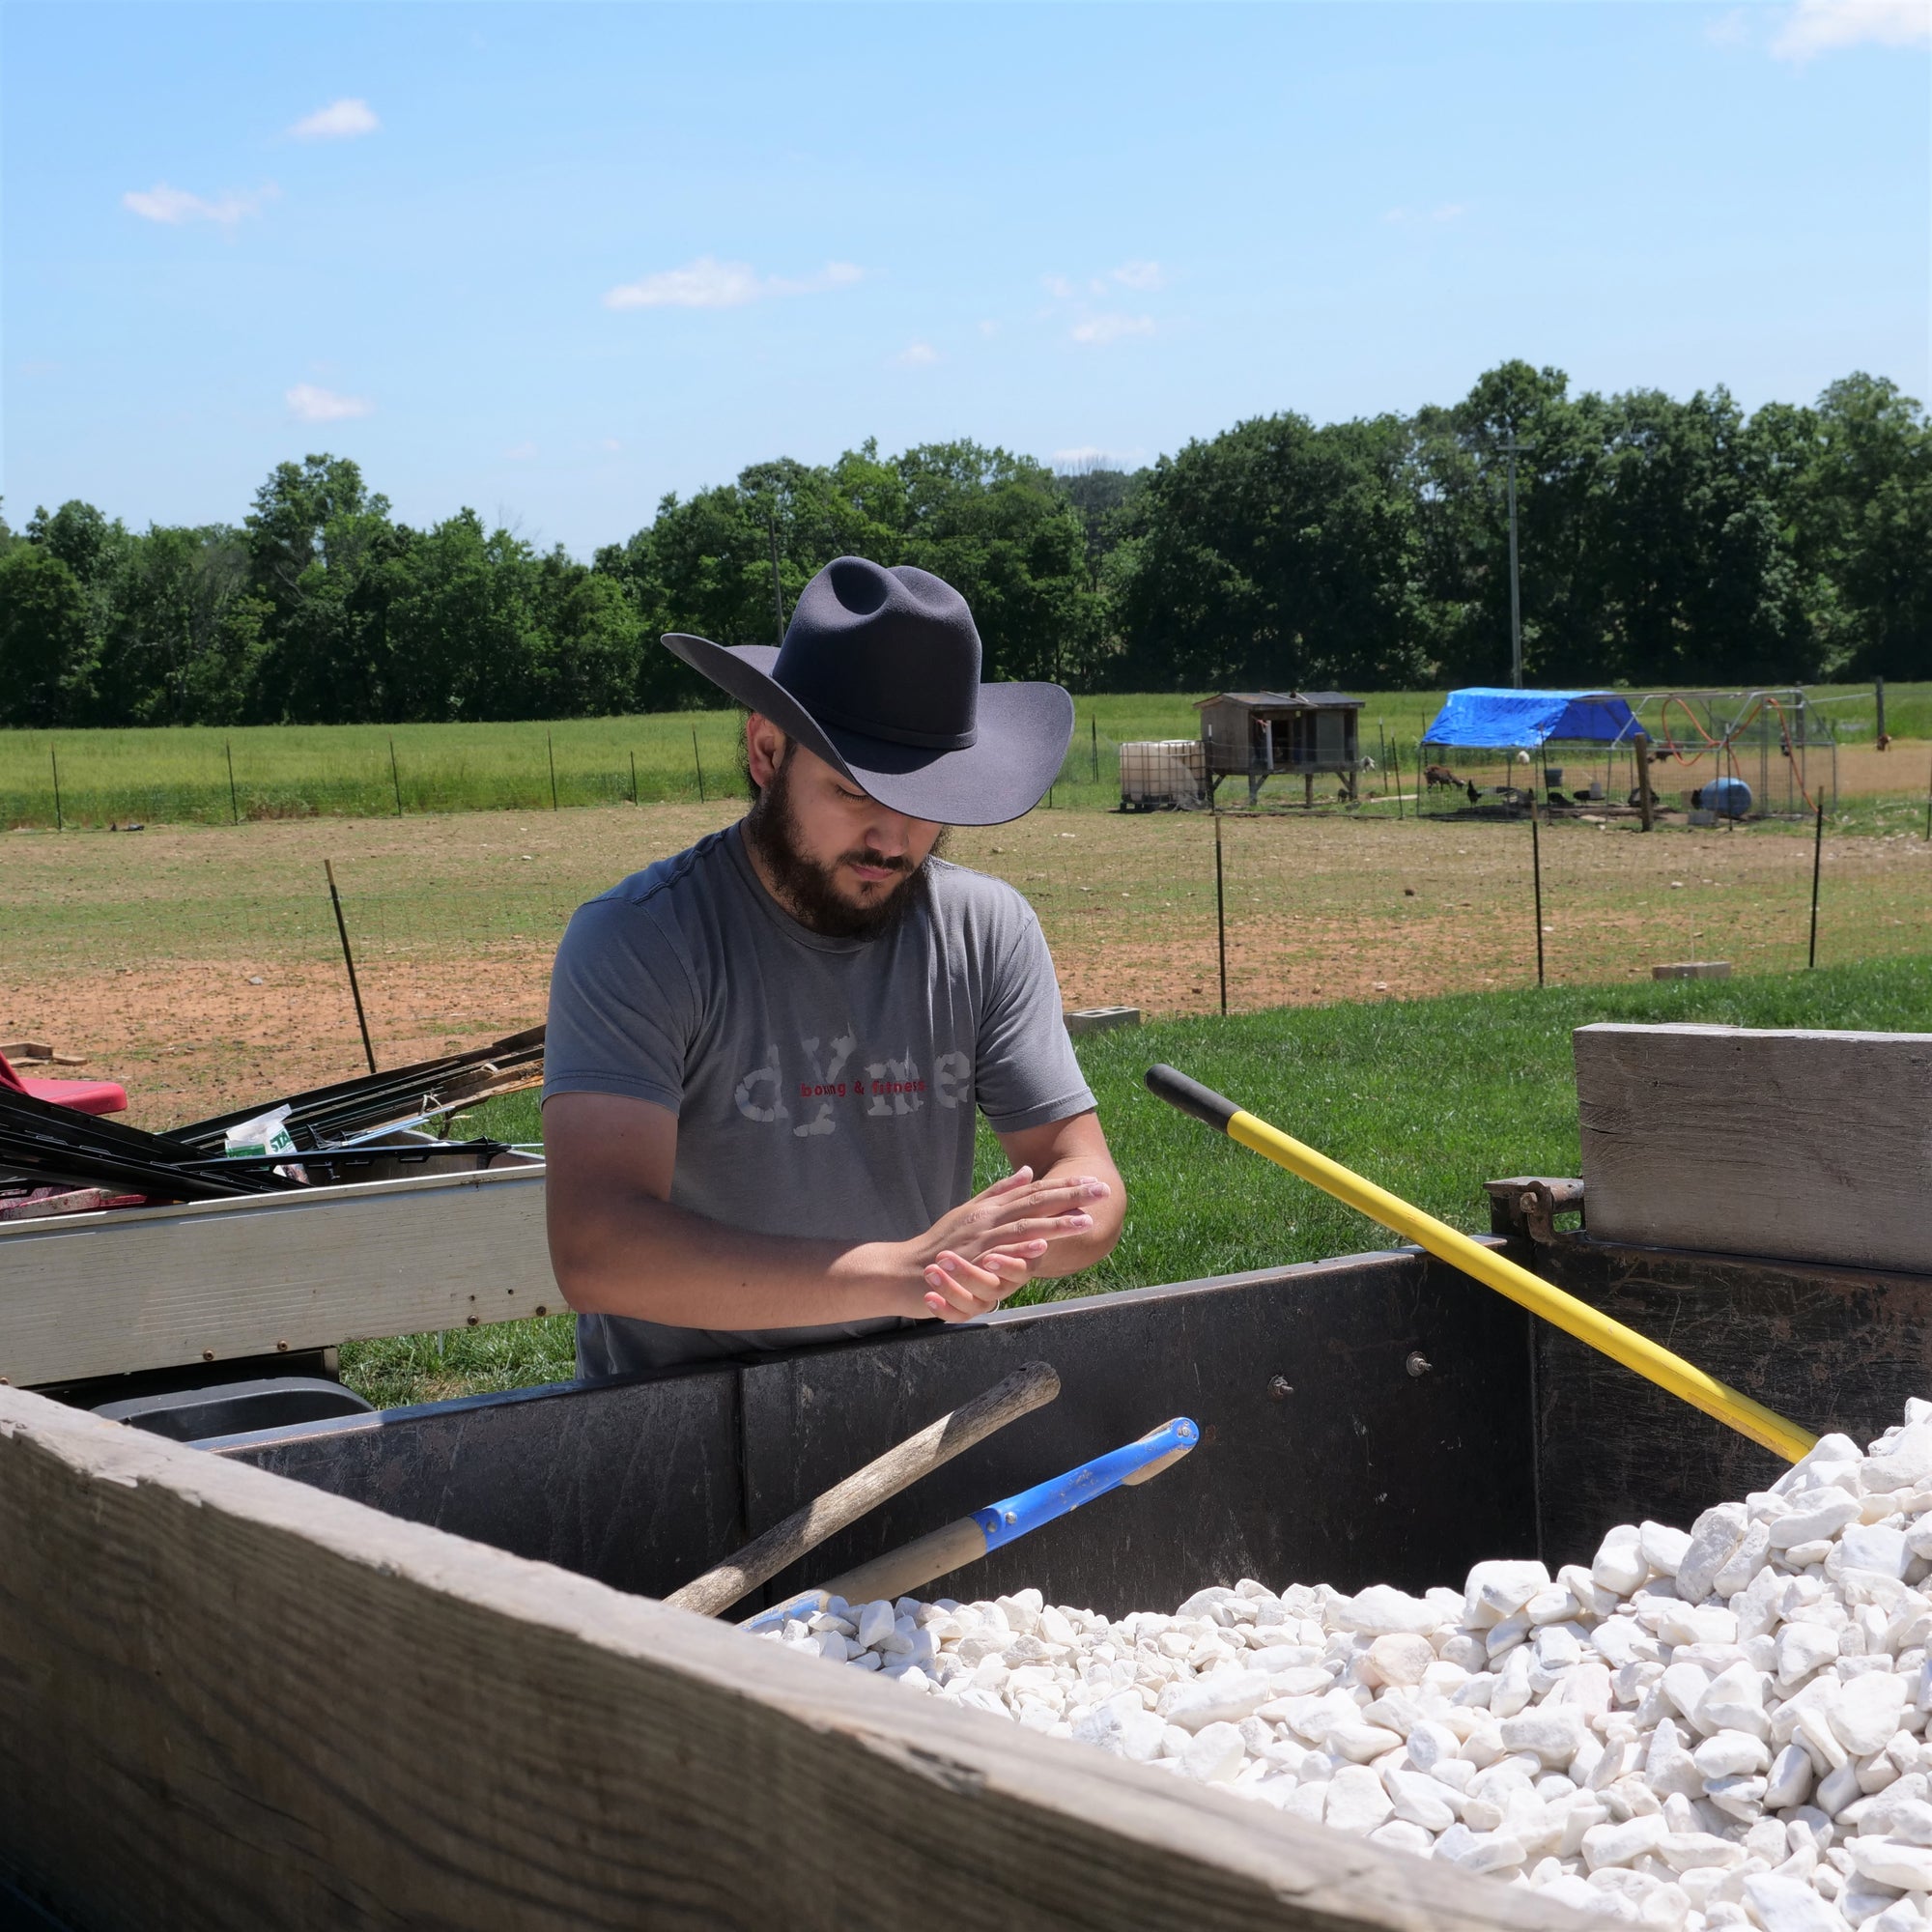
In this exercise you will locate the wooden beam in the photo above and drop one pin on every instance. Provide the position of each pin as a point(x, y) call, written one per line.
point(231, 1701)
point(1798, 1146)
point(145, 1287)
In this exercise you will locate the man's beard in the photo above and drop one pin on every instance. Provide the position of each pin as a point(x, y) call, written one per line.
point(809, 890)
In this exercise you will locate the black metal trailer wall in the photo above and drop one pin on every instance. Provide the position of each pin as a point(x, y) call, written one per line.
point(1378, 1418)
point(1830, 1347)
point(1364, 1420)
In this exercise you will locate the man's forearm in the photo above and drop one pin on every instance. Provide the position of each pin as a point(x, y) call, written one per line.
point(1075, 1252)
point(634, 1254)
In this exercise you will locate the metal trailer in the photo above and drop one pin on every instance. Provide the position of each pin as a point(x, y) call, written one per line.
point(1263, 734)
point(406, 1669)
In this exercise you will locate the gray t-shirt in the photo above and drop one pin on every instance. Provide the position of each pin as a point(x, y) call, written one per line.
point(823, 1086)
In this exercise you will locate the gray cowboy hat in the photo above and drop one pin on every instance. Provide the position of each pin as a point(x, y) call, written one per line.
point(879, 675)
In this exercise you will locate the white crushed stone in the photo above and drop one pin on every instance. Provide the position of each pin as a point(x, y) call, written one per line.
point(1718, 1727)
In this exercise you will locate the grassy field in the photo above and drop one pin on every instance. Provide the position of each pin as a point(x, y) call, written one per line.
point(1430, 1098)
point(182, 774)
point(199, 964)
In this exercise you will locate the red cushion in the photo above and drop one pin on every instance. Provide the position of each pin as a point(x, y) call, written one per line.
point(84, 1097)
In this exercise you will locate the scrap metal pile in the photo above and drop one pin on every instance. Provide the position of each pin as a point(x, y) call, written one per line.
point(56, 1160)
point(1724, 1727)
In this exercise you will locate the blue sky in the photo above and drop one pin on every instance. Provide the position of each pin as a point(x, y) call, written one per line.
point(554, 261)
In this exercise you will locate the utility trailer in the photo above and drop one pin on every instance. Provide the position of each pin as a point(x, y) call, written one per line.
point(407, 1669)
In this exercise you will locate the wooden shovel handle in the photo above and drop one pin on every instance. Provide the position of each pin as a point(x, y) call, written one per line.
point(1024, 1390)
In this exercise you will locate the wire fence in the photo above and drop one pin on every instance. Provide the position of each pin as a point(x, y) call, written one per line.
point(210, 969)
point(208, 775)
point(1451, 905)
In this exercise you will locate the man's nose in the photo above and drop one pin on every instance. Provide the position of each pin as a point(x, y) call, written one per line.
point(889, 834)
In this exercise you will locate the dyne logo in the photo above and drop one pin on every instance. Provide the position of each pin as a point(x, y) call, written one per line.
point(827, 1085)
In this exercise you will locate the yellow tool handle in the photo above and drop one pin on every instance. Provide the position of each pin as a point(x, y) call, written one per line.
point(1494, 1270)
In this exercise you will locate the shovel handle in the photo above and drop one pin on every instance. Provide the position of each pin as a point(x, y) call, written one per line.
point(1589, 1326)
point(901, 1571)
point(1024, 1390)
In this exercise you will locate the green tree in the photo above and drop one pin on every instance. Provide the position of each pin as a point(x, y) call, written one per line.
point(589, 641)
point(996, 529)
point(1863, 525)
point(185, 635)
point(1277, 554)
point(1691, 578)
point(46, 651)
point(463, 603)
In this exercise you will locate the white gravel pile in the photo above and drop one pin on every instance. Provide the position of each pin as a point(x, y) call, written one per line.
point(1715, 1727)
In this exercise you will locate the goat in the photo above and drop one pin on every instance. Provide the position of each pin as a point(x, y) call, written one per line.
point(1440, 775)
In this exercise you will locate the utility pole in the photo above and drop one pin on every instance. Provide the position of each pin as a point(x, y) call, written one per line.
point(777, 593)
point(1515, 588)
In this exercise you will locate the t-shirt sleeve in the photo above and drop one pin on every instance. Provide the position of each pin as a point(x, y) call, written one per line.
point(622, 1007)
point(1026, 1073)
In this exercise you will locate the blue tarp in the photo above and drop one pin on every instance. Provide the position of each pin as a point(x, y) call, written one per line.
point(1496, 718)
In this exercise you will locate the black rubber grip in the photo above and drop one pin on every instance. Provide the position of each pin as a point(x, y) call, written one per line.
point(1191, 1098)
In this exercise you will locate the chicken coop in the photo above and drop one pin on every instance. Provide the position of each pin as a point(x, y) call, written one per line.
point(1263, 734)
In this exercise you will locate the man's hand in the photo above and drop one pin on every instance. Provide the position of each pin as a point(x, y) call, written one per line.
point(973, 1258)
point(620, 1247)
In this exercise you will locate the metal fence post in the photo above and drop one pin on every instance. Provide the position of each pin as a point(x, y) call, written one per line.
point(1536, 877)
point(1220, 915)
point(349, 960)
point(1817, 862)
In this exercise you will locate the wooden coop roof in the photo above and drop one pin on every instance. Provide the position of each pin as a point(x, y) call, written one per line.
point(1283, 701)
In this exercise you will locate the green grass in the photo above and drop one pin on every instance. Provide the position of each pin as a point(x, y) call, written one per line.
point(181, 773)
point(1430, 1098)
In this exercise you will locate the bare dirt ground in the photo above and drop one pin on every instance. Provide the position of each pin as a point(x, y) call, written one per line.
point(199, 965)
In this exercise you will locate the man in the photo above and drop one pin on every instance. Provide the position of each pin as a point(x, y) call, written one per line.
point(765, 1055)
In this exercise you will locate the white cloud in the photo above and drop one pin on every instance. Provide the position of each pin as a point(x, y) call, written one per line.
point(1144, 276)
point(1728, 30)
point(989, 327)
point(520, 452)
point(339, 121)
point(1823, 26)
point(709, 283)
point(175, 206)
point(917, 355)
point(1100, 329)
point(312, 405)
point(1058, 287)
point(612, 444)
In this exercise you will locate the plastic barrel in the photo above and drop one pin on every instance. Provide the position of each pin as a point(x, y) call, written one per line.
point(1728, 798)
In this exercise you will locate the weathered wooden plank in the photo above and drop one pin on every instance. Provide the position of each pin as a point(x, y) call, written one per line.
point(232, 1701)
point(1802, 1145)
point(108, 1293)
point(1322, 1458)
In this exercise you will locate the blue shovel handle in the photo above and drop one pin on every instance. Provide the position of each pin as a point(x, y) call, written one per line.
point(972, 1537)
point(1007, 1521)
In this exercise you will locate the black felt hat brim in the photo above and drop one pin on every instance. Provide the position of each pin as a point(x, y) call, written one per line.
point(1023, 732)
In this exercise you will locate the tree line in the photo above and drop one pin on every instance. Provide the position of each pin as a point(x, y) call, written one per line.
point(1661, 542)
